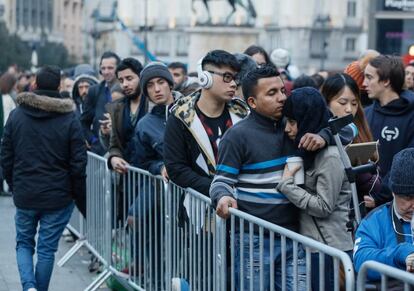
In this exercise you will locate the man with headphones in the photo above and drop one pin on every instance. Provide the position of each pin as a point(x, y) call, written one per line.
point(98, 96)
point(197, 122)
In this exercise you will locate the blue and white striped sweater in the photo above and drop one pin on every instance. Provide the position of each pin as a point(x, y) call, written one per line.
point(252, 156)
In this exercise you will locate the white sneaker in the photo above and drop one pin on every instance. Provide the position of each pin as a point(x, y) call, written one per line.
point(32, 289)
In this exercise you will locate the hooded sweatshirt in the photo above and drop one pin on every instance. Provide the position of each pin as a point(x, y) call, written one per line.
point(393, 126)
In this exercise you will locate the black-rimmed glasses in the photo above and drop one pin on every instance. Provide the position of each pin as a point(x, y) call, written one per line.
point(227, 77)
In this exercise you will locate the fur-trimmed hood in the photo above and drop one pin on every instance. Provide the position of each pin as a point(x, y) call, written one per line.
point(45, 104)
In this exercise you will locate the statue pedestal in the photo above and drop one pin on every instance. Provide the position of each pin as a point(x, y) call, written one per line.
point(230, 38)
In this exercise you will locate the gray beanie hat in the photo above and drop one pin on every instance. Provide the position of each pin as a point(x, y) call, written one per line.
point(402, 173)
point(155, 70)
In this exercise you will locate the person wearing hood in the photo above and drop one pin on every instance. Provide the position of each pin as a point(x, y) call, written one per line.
point(324, 199)
point(84, 79)
point(43, 156)
point(391, 116)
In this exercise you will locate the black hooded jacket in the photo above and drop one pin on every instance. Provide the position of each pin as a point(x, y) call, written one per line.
point(43, 153)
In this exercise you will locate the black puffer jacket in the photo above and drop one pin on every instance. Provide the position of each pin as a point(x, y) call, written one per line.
point(43, 153)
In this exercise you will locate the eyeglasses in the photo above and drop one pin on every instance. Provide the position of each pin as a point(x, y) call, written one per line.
point(227, 77)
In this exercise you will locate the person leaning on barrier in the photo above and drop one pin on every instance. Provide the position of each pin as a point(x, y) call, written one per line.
point(43, 156)
point(197, 123)
point(252, 155)
point(386, 235)
point(125, 114)
point(325, 197)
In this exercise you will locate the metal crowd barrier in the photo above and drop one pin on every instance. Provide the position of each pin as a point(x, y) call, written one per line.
point(401, 280)
point(94, 233)
point(137, 228)
point(257, 247)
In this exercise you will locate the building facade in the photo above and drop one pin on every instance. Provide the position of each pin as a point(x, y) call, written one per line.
point(36, 21)
point(319, 34)
point(392, 26)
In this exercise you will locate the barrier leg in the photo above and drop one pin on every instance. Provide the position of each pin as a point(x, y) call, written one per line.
point(73, 250)
point(98, 281)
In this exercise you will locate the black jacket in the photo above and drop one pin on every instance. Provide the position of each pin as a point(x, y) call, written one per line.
point(93, 111)
point(43, 153)
point(188, 154)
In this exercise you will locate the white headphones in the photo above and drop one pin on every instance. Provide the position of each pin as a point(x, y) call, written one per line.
point(204, 77)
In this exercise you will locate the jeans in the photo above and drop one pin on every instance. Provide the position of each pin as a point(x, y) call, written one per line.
point(328, 270)
point(276, 260)
point(52, 223)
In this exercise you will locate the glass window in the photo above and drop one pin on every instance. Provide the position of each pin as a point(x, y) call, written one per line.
point(351, 8)
point(350, 44)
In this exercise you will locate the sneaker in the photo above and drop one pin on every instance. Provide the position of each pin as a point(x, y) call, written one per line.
point(32, 289)
point(179, 284)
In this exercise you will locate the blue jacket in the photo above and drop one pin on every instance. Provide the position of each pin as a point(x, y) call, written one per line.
point(393, 126)
point(150, 140)
point(376, 240)
point(43, 153)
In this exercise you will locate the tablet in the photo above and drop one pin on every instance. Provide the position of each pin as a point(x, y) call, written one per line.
point(361, 153)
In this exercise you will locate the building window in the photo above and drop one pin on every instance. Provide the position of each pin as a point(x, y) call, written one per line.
point(351, 8)
point(182, 45)
point(350, 44)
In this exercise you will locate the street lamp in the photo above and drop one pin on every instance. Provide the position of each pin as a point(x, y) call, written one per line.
point(323, 21)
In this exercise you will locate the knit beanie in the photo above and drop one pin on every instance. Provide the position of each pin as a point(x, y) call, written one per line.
point(247, 64)
point(155, 70)
point(280, 57)
point(402, 173)
point(48, 78)
point(356, 73)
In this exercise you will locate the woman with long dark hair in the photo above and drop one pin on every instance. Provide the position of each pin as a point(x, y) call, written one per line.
point(341, 93)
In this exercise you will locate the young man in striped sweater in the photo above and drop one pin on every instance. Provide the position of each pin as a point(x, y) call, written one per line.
point(252, 155)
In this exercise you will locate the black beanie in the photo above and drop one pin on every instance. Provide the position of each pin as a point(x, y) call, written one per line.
point(48, 78)
point(402, 173)
point(155, 70)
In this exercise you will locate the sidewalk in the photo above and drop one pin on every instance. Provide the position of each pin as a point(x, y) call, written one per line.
point(73, 276)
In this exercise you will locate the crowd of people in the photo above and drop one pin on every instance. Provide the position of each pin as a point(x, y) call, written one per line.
point(226, 131)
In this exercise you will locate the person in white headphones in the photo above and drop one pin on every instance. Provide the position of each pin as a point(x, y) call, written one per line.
point(198, 122)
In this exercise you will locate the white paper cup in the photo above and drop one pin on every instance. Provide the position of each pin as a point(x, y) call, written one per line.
point(299, 177)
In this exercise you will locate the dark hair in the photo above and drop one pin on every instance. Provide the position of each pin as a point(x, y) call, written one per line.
point(48, 78)
point(129, 63)
point(178, 65)
point(251, 79)
point(304, 81)
point(390, 68)
point(255, 49)
point(108, 55)
point(220, 58)
point(318, 79)
point(333, 86)
point(7, 82)
point(308, 108)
